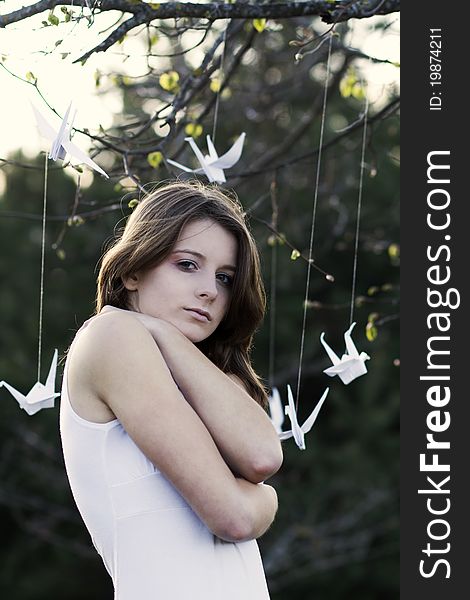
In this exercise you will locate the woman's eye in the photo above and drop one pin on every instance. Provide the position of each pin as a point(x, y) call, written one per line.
point(225, 279)
point(187, 265)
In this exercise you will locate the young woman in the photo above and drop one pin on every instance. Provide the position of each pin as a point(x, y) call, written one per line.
point(165, 439)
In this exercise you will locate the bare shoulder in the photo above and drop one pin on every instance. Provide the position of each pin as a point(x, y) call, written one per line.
point(111, 326)
point(109, 336)
point(99, 353)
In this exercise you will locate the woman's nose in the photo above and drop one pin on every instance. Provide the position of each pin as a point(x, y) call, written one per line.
point(207, 288)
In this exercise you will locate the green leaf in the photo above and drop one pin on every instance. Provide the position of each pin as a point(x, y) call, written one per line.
point(226, 93)
point(259, 25)
point(31, 77)
point(68, 16)
point(372, 290)
point(394, 251)
point(345, 87)
point(193, 129)
point(169, 81)
point(215, 85)
point(371, 331)
point(351, 85)
point(76, 220)
point(359, 301)
point(154, 159)
point(271, 240)
point(294, 255)
point(358, 91)
point(53, 20)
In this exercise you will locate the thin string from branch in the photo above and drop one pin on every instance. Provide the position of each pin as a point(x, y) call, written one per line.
point(43, 256)
point(312, 229)
point(56, 245)
point(359, 206)
point(221, 76)
point(273, 287)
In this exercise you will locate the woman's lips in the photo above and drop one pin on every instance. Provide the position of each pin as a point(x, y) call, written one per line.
point(198, 316)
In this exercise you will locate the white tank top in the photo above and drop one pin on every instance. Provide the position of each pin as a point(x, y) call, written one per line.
point(152, 543)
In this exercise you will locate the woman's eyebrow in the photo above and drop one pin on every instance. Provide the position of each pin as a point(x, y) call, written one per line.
point(201, 256)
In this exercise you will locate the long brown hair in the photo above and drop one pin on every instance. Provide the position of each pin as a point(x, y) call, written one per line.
point(148, 238)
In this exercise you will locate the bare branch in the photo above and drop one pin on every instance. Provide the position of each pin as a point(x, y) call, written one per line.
point(330, 12)
point(115, 36)
point(392, 107)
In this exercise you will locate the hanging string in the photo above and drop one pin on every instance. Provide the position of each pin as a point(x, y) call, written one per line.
point(314, 210)
point(217, 99)
point(359, 205)
point(273, 287)
point(66, 225)
point(43, 255)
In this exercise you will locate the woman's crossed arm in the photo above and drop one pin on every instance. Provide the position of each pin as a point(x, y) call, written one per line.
point(240, 428)
point(127, 371)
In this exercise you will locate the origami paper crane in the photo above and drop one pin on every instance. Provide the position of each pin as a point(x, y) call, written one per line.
point(40, 396)
point(212, 164)
point(61, 144)
point(275, 410)
point(351, 365)
point(297, 431)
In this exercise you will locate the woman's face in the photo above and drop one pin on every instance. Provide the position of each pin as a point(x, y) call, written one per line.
point(191, 288)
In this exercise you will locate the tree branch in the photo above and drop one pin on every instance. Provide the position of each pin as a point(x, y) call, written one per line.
point(330, 12)
point(115, 36)
point(383, 114)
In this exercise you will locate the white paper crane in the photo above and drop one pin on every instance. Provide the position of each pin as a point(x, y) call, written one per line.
point(40, 395)
point(351, 365)
point(275, 409)
point(212, 164)
point(61, 144)
point(299, 432)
